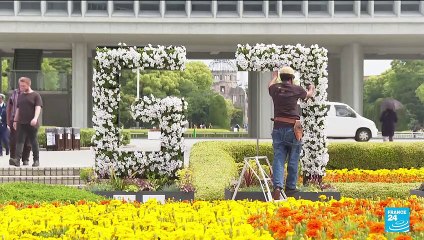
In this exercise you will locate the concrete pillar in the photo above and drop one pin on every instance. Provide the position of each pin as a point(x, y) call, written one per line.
point(352, 74)
point(260, 105)
point(79, 84)
point(109, 8)
point(43, 6)
point(214, 8)
point(333, 78)
point(162, 8)
point(136, 8)
point(188, 8)
point(331, 8)
point(90, 87)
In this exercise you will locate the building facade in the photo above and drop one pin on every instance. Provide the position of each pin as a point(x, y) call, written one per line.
point(351, 30)
point(225, 83)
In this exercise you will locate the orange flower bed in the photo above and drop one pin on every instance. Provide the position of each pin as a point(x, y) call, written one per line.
point(345, 219)
point(382, 175)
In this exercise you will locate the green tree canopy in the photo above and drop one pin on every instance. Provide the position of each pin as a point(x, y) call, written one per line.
point(194, 84)
point(402, 82)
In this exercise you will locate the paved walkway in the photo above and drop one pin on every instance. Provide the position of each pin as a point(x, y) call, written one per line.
point(85, 158)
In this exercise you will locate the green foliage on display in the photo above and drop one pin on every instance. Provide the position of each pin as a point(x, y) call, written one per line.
point(33, 192)
point(215, 164)
point(404, 82)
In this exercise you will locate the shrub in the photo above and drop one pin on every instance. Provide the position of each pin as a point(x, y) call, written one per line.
point(34, 192)
point(375, 156)
point(213, 169)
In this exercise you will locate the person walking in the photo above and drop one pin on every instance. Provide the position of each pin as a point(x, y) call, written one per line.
point(4, 131)
point(388, 119)
point(13, 134)
point(285, 96)
point(26, 121)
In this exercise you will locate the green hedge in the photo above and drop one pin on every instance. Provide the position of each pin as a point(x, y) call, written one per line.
point(376, 155)
point(214, 164)
point(375, 190)
point(34, 192)
point(86, 135)
point(213, 168)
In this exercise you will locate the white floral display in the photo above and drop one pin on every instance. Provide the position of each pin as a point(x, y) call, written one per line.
point(106, 95)
point(311, 62)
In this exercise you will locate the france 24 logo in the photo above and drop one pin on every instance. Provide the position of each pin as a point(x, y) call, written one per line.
point(396, 219)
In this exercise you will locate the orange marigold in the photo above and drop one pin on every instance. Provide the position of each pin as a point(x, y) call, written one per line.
point(377, 227)
point(314, 233)
point(314, 224)
point(403, 237)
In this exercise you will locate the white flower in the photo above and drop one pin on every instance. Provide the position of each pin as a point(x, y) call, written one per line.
point(311, 62)
point(106, 105)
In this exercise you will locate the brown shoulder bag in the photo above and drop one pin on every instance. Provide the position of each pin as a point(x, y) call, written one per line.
point(298, 130)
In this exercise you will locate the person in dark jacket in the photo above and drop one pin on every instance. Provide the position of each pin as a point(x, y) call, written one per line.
point(388, 119)
point(4, 131)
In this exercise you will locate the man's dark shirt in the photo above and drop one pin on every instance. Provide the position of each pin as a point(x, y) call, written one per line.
point(26, 104)
point(285, 96)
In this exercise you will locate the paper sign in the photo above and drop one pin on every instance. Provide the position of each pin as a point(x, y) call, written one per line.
point(50, 139)
point(128, 198)
point(159, 198)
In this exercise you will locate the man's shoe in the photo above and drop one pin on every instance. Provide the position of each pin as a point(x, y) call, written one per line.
point(25, 163)
point(276, 193)
point(290, 192)
point(36, 164)
point(14, 162)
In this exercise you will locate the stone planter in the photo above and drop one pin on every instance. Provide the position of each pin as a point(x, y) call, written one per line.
point(143, 196)
point(313, 196)
point(417, 192)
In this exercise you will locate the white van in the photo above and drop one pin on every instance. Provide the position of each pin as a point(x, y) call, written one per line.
point(344, 122)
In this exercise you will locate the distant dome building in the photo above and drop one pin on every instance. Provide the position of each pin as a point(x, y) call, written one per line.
point(225, 83)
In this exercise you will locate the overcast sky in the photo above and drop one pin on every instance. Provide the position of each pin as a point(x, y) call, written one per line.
point(375, 67)
point(371, 67)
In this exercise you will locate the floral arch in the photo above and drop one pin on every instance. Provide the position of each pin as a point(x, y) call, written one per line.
point(311, 62)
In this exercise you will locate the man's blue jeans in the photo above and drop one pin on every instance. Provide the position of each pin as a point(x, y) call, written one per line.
point(286, 146)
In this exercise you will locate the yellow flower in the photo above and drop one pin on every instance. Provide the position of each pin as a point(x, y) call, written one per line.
point(322, 197)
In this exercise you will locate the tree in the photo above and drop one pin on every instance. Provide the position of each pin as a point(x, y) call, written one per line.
point(420, 92)
point(404, 78)
point(50, 76)
point(218, 113)
point(4, 78)
point(194, 84)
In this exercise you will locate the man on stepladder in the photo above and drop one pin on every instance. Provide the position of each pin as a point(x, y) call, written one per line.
point(285, 144)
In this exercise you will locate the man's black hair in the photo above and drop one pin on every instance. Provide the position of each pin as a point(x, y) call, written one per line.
point(286, 77)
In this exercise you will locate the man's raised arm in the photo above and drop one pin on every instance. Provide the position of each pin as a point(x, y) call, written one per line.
point(274, 79)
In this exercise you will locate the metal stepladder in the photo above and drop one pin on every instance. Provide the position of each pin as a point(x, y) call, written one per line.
point(263, 177)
